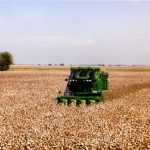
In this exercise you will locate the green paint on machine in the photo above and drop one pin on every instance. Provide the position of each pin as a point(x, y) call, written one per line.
point(85, 85)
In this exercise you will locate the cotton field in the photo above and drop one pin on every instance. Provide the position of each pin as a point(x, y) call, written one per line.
point(31, 119)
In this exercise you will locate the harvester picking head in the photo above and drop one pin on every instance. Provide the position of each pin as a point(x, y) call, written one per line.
point(85, 86)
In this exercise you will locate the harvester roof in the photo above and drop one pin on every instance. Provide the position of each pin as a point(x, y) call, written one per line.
point(85, 67)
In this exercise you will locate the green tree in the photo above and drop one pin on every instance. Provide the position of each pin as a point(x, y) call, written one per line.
point(6, 59)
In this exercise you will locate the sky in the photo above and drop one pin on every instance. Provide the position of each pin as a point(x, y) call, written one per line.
point(76, 31)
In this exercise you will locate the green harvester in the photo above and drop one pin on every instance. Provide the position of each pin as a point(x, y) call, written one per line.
point(85, 86)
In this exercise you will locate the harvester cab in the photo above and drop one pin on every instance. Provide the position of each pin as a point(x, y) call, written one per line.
point(85, 85)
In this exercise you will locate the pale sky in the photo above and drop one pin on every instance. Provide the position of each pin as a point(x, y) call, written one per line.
point(76, 31)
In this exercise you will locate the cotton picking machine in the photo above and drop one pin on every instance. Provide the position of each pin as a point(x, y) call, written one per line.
point(85, 86)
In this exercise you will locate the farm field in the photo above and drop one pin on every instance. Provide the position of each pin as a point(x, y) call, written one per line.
point(31, 119)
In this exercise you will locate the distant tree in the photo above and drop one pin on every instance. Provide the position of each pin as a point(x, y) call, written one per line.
point(62, 64)
point(6, 59)
point(101, 64)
